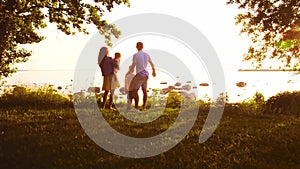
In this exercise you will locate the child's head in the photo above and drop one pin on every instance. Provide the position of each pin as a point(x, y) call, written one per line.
point(117, 55)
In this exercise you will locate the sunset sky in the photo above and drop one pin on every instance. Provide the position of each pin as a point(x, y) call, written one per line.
point(214, 19)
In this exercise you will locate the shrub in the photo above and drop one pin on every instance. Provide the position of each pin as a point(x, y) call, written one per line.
point(253, 105)
point(174, 99)
point(284, 103)
point(43, 97)
point(156, 99)
point(204, 106)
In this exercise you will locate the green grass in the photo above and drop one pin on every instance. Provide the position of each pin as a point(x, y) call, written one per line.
point(40, 129)
point(53, 138)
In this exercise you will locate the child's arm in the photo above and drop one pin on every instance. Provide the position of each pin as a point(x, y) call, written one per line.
point(131, 69)
point(115, 64)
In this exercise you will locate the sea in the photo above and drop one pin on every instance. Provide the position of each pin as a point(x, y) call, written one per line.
point(269, 83)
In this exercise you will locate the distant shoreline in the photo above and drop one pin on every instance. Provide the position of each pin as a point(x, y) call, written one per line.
point(37, 70)
point(239, 70)
point(268, 70)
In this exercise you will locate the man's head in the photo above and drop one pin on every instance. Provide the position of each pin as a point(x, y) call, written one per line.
point(139, 46)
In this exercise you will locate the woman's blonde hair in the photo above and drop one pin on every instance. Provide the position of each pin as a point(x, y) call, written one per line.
point(102, 54)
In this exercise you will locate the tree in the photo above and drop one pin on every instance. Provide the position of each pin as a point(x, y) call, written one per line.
point(274, 28)
point(20, 19)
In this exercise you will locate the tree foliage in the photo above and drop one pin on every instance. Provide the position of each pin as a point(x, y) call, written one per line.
point(274, 28)
point(20, 20)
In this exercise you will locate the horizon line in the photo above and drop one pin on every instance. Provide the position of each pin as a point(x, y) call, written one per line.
point(268, 70)
point(25, 70)
point(239, 70)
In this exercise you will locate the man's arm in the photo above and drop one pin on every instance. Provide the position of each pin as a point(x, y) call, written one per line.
point(153, 68)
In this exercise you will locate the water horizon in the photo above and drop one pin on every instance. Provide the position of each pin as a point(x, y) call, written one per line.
point(269, 83)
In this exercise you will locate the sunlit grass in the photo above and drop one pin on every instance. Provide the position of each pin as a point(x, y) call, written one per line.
point(250, 135)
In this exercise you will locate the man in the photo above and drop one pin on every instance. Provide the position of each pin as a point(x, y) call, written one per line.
point(140, 62)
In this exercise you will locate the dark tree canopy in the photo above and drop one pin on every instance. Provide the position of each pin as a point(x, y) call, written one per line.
point(20, 20)
point(274, 28)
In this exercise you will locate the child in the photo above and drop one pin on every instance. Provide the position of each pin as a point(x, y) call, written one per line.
point(115, 81)
point(128, 77)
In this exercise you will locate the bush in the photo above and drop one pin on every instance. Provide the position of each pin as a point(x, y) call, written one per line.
point(283, 103)
point(174, 99)
point(253, 105)
point(43, 97)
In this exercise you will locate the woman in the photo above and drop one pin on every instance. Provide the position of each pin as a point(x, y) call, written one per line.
point(107, 65)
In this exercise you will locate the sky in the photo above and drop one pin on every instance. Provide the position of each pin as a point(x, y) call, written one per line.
point(214, 19)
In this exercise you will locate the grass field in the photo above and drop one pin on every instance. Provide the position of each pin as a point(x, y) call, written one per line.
point(53, 138)
point(40, 129)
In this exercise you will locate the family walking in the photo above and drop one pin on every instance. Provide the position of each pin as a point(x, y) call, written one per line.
point(109, 68)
